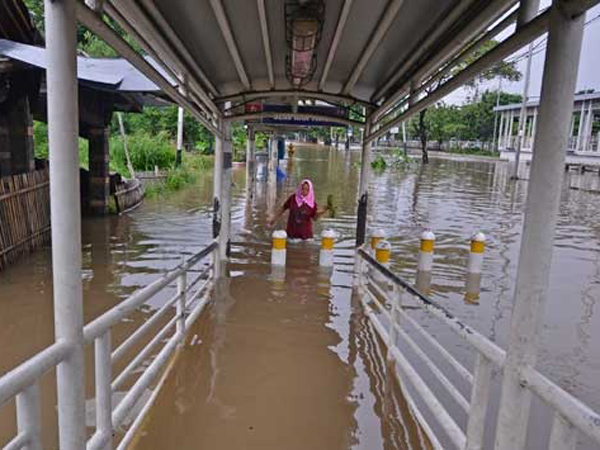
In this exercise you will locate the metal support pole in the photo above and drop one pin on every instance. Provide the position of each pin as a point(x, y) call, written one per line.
point(181, 288)
point(29, 420)
point(102, 353)
point(179, 136)
point(63, 123)
point(363, 194)
point(218, 199)
point(500, 131)
point(496, 114)
point(225, 236)
point(587, 131)
point(250, 158)
point(404, 143)
point(528, 9)
point(180, 116)
point(580, 127)
point(543, 196)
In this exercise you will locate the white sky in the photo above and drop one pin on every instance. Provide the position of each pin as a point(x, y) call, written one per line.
point(589, 66)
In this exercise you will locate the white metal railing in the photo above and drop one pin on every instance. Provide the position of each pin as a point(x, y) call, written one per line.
point(383, 296)
point(23, 381)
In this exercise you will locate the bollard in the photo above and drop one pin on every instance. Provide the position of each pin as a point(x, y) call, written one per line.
point(327, 244)
point(278, 251)
point(382, 252)
point(424, 282)
point(473, 288)
point(377, 235)
point(383, 249)
point(426, 251)
point(476, 254)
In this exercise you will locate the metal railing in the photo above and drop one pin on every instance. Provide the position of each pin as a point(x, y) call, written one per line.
point(23, 381)
point(383, 296)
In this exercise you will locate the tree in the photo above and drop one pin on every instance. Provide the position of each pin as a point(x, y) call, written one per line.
point(503, 70)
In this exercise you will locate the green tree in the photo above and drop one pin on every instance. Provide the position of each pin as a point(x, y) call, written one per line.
point(503, 70)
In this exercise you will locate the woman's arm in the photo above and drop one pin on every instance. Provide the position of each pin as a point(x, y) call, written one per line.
point(320, 212)
point(271, 222)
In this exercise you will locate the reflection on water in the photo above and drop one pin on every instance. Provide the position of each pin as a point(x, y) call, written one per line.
point(286, 359)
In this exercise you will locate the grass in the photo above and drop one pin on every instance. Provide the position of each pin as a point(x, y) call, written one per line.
point(193, 164)
point(146, 152)
point(473, 151)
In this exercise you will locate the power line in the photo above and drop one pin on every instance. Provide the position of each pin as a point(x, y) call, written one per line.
point(544, 41)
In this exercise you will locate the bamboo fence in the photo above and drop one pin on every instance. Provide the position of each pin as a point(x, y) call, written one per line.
point(24, 214)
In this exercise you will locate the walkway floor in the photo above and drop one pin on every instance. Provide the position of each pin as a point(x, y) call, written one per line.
point(280, 364)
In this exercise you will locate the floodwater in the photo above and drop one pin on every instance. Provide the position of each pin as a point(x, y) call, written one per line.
point(286, 359)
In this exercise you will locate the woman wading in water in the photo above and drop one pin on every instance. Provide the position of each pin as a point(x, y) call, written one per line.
point(303, 210)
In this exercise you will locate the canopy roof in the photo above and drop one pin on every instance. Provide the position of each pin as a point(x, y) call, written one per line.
point(393, 57)
point(116, 74)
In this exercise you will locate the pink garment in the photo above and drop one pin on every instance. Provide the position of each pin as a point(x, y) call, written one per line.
point(309, 200)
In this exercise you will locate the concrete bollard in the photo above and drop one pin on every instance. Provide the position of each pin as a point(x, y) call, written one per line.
point(377, 235)
point(383, 249)
point(424, 282)
point(278, 250)
point(426, 251)
point(327, 244)
point(473, 288)
point(476, 254)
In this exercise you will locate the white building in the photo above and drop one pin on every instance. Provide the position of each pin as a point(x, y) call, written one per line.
point(584, 134)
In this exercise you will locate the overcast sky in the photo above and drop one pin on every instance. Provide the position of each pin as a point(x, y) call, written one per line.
point(589, 66)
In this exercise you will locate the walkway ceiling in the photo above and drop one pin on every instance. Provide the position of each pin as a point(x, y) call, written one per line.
point(368, 53)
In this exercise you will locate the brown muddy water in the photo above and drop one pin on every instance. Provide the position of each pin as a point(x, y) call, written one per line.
point(287, 360)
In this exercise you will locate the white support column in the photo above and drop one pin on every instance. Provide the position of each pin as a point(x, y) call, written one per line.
point(587, 131)
point(509, 126)
point(363, 194)
point(500, 130)
point(225, 235)
point(528, 9)
point(533, 128)
point(180, 116)
point(543, 197)
point(250, 158)
point(63, 123)
point(218, 199)
point(179, 135)
point(580, 126)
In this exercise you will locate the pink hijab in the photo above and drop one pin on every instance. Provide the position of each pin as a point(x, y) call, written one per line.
point(309, 199)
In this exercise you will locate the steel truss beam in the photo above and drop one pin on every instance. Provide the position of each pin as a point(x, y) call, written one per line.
point(331, 98)
point(264, 27)
point(223, 22)
point(335, 42)
point(409, 70)
point(133, 19)
point(383, 26)
point(301, 116)
point(87, 17)
point(528, 33)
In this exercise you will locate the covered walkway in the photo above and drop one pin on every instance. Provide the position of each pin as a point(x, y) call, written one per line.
point(272, 364)
point(376, 63)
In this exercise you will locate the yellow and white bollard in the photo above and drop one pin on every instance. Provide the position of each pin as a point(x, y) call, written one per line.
point(473, 288)
point(377, 235)
point(327, 244)
point(278, 250)
point(426, 251)
point(476, 254)
point(383, 249)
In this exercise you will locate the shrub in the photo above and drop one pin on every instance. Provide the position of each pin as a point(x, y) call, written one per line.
point(146, 151)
